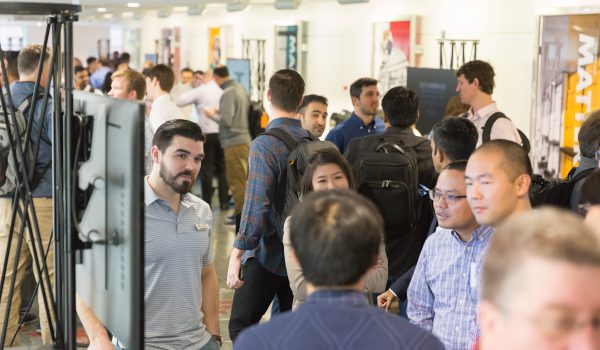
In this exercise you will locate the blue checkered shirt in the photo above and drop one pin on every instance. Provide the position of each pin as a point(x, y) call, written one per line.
point(257, 235)
point(444, 291)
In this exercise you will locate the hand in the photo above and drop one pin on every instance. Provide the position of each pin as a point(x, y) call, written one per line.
point(384, 300)
point(233, 271)
point(209, 112)
point(102, 343)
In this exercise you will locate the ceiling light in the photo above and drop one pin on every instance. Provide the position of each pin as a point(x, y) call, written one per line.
point(133, 4)
point(238, 5)
point(101, 9)
point(286, 4)
point(196, 10)
point(127, 14)
point(180, 8)
point(107, 15)
point(163, 13)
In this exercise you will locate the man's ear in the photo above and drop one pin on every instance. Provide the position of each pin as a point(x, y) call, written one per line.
point(523, 182)
point(439, 155)
point(155, 154)
point(269, 95)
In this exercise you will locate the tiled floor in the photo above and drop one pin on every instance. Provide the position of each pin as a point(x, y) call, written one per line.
point(223, 237)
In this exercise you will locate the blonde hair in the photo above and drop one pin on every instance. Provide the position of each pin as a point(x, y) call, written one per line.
point(544, 233)
point(135, 81)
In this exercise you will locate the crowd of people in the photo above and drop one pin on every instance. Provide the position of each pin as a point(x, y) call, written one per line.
point(397, 240)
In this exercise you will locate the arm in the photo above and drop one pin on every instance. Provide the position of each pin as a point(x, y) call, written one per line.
point(294, 271)
point(226, 109)
point(188, 97)
point(263, 167)
point(93, 327)
point(377, 277)
point(420, 297)
point(210, 299)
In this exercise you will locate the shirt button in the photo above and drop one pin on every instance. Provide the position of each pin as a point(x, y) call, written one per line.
point(361, 128)
point(464, 275)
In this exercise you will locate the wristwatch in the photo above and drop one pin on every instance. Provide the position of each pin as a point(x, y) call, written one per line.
point(218, 339)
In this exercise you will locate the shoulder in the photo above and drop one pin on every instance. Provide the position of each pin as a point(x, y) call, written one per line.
point(198, 203)
point(412, 336)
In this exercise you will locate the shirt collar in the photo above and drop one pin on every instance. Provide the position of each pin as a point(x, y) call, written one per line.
point(354, 119)
point(483, 112)
point(283, 121)
point(398, 130)
point(479, 234)
point(338, 297)
point(150, 196)
point(226, 83)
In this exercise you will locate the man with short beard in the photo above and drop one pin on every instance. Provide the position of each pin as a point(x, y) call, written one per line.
point(181, 293)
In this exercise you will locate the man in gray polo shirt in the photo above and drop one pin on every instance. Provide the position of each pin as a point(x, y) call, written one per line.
point(181, 294)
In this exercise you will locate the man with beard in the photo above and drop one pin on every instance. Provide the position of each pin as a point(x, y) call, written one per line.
point(365, 99)
point(181, 293)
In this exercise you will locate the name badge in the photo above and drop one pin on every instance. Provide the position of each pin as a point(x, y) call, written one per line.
point(202, 227)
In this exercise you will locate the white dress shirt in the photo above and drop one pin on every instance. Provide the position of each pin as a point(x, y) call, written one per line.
point(502, 129)
point(162, 110)
point(204, 96)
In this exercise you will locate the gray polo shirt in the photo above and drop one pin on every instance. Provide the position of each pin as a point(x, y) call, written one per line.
point(177, 247)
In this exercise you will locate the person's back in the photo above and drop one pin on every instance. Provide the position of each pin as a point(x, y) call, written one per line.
point(335, 237)
point(159, 83)
point(234, 131)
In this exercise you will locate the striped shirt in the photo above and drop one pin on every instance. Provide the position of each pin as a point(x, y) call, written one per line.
point(267, 159)
point(177, 247)
point(444, 291)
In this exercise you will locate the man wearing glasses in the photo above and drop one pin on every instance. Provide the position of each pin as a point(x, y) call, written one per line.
point(443, 293)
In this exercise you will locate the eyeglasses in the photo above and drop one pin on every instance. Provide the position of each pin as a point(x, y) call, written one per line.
point(448, 198)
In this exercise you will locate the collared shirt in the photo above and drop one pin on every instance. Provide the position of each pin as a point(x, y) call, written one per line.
point(352, 128)
point(503, 128)
point(267, 159)
point(177, 247)
point(43, 164)
point(204, 96)
point(98, 77)
point(162, 110)
point(444, 291)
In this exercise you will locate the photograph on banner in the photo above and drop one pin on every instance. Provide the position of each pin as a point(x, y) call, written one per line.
point(391, 53)
point(567, 89)
point(214, 47)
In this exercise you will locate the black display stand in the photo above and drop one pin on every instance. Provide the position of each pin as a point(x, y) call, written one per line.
point(61, 304)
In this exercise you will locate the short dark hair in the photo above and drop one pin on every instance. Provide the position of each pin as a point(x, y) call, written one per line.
point(401, 106)
point(480, 70)
point(456, 137)
point(199, 72)
point(91, 60)
point(29, 58)
point(323, 157)
point(515, 158)
point(286, 87)
point(308, 99)
point(336, 236)
point(78, 69)
point(176, 127)
point(12, 67)
point(165, 76)
point(356, 87)
point(589, 190)
point(459, 165)
point(589, 135)
point(125, 57)
point(186, 69)
point(221, 71)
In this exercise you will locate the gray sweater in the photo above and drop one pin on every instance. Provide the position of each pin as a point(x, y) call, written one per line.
point(233, 115)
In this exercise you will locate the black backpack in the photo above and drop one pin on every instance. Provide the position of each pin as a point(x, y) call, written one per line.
point(255, 113)
point(554, 191)
point(388, 176)
point(487, 131)
point(288, 182)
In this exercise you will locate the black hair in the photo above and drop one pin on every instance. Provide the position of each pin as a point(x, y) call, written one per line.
point(590, 190)
point(165, 76)
point(456, 137)
point(459, 165)
point(323, 157)
point(336, 236)
point(286, 88)
point(176, 127)
point(401, 106)
point(356, 87)
point(480, 70)
point(221, 72)
point(308, 99)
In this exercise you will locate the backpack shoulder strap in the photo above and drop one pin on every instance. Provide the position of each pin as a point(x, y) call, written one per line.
point(487, 128)
point(581, 175)
point(283, 136)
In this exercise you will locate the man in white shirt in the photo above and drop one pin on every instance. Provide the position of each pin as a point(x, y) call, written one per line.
point(159, 83)
point(184, 85)
point(208, 96)
point(475, 87)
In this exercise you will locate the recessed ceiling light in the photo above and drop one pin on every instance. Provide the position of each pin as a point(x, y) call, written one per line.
point(133, 4)
point(101, 9)
point(127, 14)
point(180, 8)
point(107, 15)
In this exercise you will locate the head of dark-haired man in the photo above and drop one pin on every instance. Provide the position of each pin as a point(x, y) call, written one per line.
point(286, 88)
point(498, 177)
point(313, 114)
point(400, 107)
point(452, 139)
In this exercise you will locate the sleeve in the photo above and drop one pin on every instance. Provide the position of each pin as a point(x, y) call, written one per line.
point(48, 121)
point(335, 137)
point(294, 271)
point(352, 156)
point(420, 297)
point(188, 97)
point(377, 278)
point(227, 108)
point(400, 286)
point(260, 189)
point(503, 128)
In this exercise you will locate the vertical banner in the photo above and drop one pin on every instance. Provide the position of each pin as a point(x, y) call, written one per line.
point(286, 47)
point(214, 47)
point(567, 89)
point(391, 53)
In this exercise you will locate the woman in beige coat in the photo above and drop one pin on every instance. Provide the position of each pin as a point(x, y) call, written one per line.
point(328, 169)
